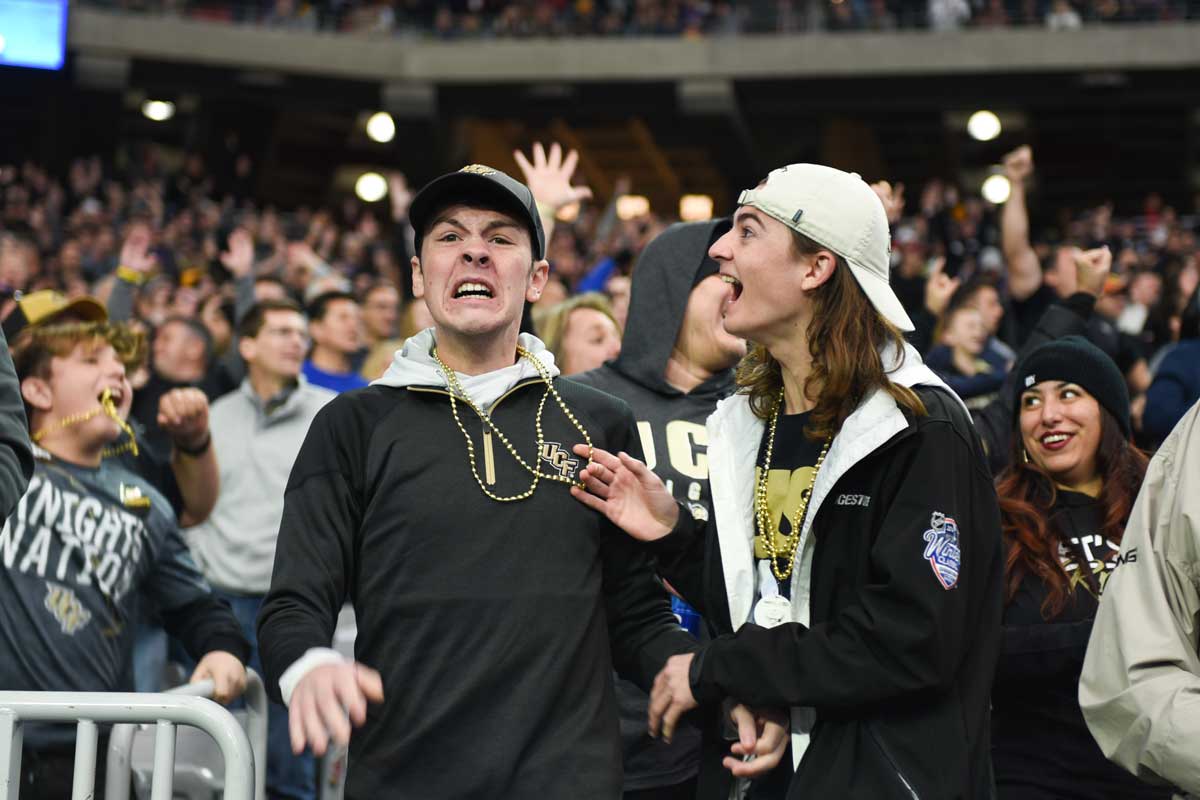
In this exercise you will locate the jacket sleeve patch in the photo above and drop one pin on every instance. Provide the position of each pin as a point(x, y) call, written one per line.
point(941, 549)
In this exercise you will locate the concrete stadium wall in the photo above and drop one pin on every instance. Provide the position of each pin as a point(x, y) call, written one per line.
point(404, 60)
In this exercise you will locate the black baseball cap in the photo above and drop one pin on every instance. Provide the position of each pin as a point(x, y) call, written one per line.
point(478, 184)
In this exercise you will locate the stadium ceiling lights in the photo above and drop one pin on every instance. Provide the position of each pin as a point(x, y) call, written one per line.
point(632, 206)
point(996, 189)
point(983, 126)
point(381, 127)
point(158, 110)
point(370, 187)
point(695, 207)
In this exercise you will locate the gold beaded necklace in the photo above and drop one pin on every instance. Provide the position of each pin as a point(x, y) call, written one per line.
point(782, 560)
point(456, 391)
point(107, 406)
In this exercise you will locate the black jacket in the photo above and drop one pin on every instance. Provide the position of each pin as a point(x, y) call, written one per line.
point(491, 623)
point(897, 667)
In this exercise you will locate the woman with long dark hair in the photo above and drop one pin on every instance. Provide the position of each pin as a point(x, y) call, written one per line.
point(1064, 502)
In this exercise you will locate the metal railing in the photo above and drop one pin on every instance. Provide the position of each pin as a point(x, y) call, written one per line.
point(119, 768)
point(88, 709)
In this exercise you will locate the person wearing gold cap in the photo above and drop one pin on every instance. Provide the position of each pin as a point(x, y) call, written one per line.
point(90, 540)
point(854, 556)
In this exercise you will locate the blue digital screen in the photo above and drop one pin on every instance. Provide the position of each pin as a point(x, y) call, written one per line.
point(33, 33)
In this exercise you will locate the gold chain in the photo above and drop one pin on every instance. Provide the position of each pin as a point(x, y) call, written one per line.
point(107, 406)
point(762, 514)
point(456, 391)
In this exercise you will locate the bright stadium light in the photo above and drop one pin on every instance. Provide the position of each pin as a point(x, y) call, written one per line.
point(568, 213)
point(632, 206)
point(996, 189)
point(158, 110)
point(695, 207)
point(381, 127)
point(370, 187)
point(983, 126)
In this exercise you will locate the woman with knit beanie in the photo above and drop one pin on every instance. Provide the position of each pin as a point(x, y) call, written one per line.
point(1064, 502)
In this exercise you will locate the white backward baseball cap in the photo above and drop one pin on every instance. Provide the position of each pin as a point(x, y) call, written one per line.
point(840, 211)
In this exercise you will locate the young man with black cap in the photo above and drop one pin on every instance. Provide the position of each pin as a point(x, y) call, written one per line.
point(489, 604)
point(856, 546)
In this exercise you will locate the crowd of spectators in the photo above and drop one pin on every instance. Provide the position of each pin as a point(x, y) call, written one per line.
point(472, 19)
point(218, 282)
point(197, 250)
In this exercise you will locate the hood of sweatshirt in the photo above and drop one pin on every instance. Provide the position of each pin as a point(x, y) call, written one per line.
point(414, 365)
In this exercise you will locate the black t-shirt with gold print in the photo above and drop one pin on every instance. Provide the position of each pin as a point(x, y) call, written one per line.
point(790, 477)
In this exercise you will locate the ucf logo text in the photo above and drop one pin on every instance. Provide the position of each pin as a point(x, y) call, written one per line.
point(560, 459)
point(66, 608)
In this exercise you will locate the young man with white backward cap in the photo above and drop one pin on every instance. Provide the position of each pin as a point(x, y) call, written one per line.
point(854, 557)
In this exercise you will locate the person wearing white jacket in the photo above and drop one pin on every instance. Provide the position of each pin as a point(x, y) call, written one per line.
point(1140, 687)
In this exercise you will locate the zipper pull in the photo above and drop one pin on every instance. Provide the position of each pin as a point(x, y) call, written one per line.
point(489, 461)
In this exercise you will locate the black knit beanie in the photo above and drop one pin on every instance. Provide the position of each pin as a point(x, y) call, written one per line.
point(1075, 360)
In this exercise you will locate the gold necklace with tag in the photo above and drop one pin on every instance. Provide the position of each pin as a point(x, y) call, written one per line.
point(456, 391)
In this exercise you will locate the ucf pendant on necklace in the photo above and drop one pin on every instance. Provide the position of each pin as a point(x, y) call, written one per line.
point(772, 611)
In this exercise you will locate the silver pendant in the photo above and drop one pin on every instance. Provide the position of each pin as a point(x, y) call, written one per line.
point(772, 611)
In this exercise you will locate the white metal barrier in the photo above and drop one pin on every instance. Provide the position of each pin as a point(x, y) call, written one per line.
point(89, 708)
point(119, 767)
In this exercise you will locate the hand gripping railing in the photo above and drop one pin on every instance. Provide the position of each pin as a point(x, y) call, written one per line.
point(120, 743)
point(90, 708)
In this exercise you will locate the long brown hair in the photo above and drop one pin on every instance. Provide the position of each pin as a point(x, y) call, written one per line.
point(1027, 497)
point(845, 337)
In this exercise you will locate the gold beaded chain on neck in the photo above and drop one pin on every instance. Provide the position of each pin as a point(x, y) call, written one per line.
point(782, 563)
point(107, 406)
point(457, 392)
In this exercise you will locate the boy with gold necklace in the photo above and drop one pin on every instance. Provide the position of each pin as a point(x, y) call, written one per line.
point(855, 557)
point(490, 605)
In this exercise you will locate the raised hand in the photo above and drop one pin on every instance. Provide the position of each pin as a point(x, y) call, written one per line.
point(1018, 165)
point(627, 492)
point(939, 288)
point(239, 258)
point(135, 250)
point(892, 198)
point(1092, 268)
point(183, 415)
point(549, 176)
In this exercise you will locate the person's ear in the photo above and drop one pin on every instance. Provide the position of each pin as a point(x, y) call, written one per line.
point(248, 349)
point(37, 393)
point(818, 268)
point(418, 278)
point(538, 277)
